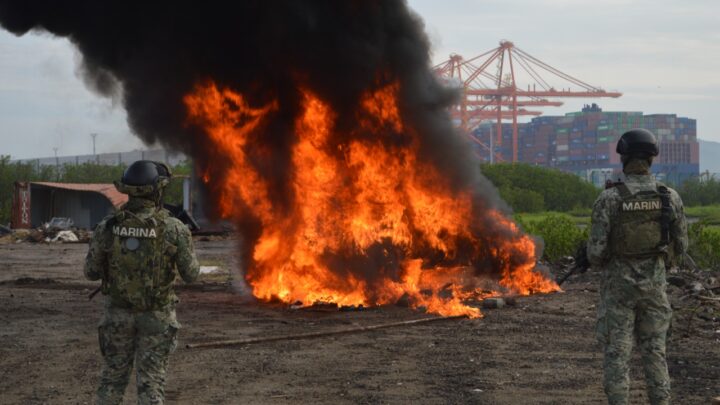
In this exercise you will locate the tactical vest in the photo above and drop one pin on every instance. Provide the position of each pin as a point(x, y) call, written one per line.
point(139, 273)
point(641, 227)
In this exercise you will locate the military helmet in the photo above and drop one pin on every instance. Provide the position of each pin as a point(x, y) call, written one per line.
point(638, 142)
point(144, 178)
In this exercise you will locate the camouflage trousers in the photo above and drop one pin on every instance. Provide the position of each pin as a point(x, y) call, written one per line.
point(645, 318)
point(144, 339)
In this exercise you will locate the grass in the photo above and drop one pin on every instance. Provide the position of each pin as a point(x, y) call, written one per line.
point(540, 216)
point(708, 213)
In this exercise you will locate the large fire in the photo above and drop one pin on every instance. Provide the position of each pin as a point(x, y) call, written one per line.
point(362, 223)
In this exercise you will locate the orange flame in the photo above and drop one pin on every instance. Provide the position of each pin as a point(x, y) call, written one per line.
point(365, 219)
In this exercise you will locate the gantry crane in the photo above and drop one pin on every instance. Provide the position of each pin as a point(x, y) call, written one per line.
point(496, 96)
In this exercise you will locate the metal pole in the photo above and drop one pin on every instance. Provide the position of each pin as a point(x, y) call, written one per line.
point(492, 146)
point(311, 335)
point(514, 105)
point(187, 202)
point(499, 96)
point(93, 135)
point(57, 164)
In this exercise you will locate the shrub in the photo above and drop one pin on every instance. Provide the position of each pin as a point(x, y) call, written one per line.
point(700, 192)
point(560, 191)
point(705, 245)
point(523, 200)
point(559, 233)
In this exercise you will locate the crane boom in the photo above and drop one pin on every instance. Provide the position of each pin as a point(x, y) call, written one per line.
point(489, 95)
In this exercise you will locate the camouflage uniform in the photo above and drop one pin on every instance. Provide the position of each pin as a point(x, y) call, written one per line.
point(139, 325)
point(633, 300)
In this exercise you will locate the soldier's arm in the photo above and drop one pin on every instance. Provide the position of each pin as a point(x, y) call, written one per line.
point(679, 226)
point(185, 259)
point(96, 258)
point(597, 247)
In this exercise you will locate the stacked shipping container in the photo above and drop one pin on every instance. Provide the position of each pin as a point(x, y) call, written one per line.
point(584, 142)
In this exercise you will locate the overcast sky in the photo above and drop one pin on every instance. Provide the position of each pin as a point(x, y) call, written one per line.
point(664, 55)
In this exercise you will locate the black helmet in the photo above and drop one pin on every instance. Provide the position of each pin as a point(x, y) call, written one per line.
point(638, 142)
point(145, 172)
point(144, 177)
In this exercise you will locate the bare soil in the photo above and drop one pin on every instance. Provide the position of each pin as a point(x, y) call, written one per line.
point(541, 351)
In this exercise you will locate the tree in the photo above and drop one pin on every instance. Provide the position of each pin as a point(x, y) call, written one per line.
point(695, 192)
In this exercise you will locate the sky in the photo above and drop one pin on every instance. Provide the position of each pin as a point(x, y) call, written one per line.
point(663, 55)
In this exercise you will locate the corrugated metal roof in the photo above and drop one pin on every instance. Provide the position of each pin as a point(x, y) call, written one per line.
point(108, 190)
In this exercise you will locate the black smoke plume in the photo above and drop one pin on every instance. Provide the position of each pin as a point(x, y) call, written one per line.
point(150, 54)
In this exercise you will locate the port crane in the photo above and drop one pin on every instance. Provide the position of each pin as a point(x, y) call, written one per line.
point(490, 90)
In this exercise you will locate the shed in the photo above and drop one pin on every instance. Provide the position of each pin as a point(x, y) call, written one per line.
point(35, 203)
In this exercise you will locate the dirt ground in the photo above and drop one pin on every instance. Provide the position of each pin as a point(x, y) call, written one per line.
point(541, 351)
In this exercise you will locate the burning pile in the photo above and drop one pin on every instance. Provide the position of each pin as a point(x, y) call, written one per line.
point(369, 222)
point(319, 129)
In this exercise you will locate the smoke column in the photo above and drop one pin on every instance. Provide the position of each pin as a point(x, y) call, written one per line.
point(151, 54)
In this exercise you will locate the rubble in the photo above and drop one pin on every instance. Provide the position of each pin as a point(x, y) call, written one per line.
point(58, 230)
point(697, 287)
point(693, 294)
point(316, 307)
point(210, 269)
point(36, 236)
point(55, 235)
point(695, 298)
point(15, 236)
point(493, 303)
point(83, 235)
point(327, 307)
point(59, 224)
point(6, 235)
point(676, 281)
point(65, 236)
point(352, 308)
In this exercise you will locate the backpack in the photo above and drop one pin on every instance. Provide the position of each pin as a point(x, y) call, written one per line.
point(139, 276)
point(641, 227)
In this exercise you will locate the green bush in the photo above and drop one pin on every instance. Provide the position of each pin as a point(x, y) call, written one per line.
point(705, 245)
point(700, 192)
point(560, 191)
point(522, 200)
point(580, 212)
point(559, 233)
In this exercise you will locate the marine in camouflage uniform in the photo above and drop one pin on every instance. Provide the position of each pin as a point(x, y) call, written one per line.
point(137, 253)
point(626, 241)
